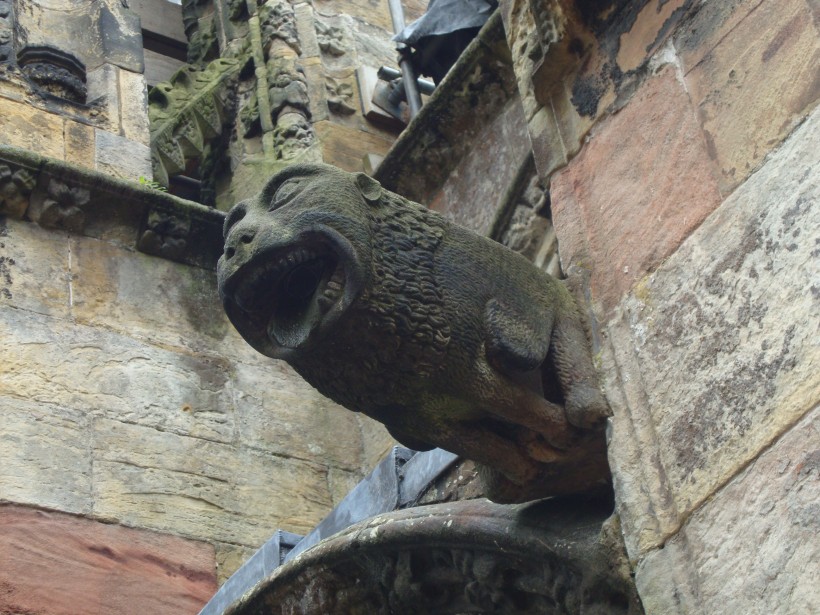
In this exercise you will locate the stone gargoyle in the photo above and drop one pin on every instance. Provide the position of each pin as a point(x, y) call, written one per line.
point(446, 337)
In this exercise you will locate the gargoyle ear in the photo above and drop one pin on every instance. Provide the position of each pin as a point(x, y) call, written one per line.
point(371, 189)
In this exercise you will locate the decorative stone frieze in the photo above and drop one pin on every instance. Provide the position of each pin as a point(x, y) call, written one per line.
point(186, 112)
point(292, 136)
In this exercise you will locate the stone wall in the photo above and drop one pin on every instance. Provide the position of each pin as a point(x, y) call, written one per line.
point(128, 399)
point(678, 140)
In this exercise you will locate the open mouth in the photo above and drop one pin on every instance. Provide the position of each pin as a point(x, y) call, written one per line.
point(289, 293)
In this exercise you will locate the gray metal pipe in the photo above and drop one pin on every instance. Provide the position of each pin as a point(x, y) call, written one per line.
point(408, 75)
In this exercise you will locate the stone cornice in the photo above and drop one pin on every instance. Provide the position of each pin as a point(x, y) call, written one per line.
point(61, 196)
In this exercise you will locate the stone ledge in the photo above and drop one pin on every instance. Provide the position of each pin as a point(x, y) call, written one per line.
point(60, 196)
point(471, 94)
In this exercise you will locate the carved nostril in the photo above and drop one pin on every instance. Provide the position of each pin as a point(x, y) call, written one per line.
point(229, 252)
point(246, 237)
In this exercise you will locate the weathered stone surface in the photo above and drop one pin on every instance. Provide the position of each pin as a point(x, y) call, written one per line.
point(715, 354)
point(200, 488)
point(34, 272)
point(44, 453)
point(133, 293)
point(753, 547)
point(475, 188)
point(373, 14)
point(345, 147)
point(134, 107)
point(80, 146)
point(282, 414)
point(623, 204)
point(377, 443)
point(103, 95)
point(49, 360)
point(756, 84)
point(58, 564)
point(120, 157)
point(32, 129)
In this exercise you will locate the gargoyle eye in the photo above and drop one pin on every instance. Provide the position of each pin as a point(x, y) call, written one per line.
point(284, 193)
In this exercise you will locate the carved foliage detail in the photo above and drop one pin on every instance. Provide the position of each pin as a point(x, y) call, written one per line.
point(63, 207)
point(331, 39)
point(186, 113)
point(15, 190)
point(277, 20)
point(339, 96)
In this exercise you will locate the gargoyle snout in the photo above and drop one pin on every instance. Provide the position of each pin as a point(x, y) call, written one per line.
point(239, 240)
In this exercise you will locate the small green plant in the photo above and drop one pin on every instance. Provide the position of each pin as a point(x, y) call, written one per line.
point(150, 183)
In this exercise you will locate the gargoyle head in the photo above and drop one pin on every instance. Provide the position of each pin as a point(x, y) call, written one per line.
point(296, 257)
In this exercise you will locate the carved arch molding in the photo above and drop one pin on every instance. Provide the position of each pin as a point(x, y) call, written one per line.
point(547, 557)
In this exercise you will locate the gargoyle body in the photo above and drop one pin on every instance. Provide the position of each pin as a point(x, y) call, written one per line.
point(446, 337)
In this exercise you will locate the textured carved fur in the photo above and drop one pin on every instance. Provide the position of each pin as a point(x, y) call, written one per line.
point(446, 337)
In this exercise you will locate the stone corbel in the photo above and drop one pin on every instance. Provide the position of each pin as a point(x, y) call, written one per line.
point(16, 185)
point(60, 206)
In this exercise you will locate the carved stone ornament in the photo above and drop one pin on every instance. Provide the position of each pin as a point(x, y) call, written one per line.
point(292, 136)
point(331, 39)
point(446, 337)
point(287, 88)
point(165, 235)
point(249, 117)
point(54, 71)
point(277, 20)
point(6, 30)
point(15, 190)
point(62, 207)
point(466, 557)
point(339, 96)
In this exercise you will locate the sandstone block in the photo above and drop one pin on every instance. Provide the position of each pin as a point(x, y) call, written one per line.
point(97, 568)
point(373, 14)
point(80, 146)
point(345, 147)
point(44, 456)
point(134, 107)
point(756, 85)
point(715, 354)
point(48, 360)
point(202, 489)
point(625, 202)
point(753, 547)
point(120, 157)
point(30, 128)
point(104, 94)
point(652, 24)
point(133, 293)
point(229, 558)
point(34, 273)
point(279, 413)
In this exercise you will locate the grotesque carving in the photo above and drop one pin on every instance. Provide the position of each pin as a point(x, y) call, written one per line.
point(277, 20)
point(288, 88)
point(292, 136)
point(15, 189)
point(63, 207)
point(339, 96)
point(446, 337)
point(165, 235)
point(6, 32)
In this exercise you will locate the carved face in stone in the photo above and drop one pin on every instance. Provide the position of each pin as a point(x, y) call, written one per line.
point(293, 262)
